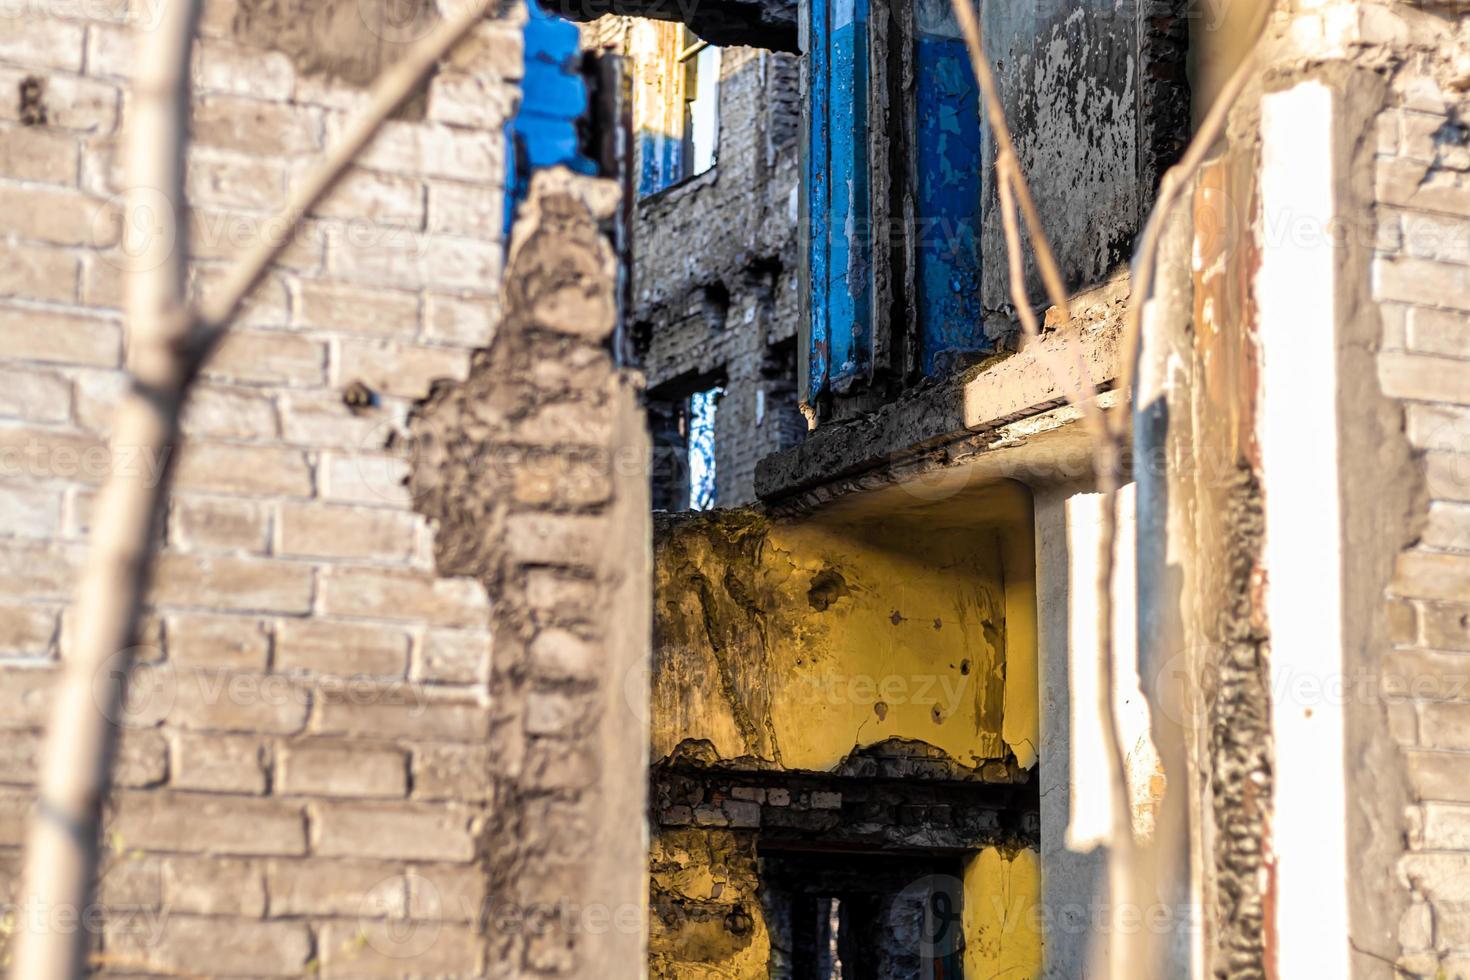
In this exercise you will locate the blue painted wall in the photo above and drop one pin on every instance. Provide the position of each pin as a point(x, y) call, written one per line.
point(543, 132)
point(947, 146)
point(947, 141)
point(839, 206)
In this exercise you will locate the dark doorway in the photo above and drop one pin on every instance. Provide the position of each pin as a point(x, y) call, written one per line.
point(862, 916)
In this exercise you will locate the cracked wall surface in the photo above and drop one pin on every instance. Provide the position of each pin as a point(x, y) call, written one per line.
point(841, 684)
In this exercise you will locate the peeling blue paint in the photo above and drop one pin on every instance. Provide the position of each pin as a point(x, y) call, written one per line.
point(840, 208)
point(661, 166)
point(543, 131)
point(947, 251)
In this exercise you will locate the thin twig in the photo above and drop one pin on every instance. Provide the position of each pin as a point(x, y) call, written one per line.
point(1171, 187)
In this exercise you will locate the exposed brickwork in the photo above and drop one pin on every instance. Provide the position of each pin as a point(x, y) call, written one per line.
point(1421, 277)
point(305, 782)
point(715, 262)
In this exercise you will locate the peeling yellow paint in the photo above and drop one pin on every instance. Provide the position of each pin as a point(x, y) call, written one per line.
point(1001, 915)
point(797, 643)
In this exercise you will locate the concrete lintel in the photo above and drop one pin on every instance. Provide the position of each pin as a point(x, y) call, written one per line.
point(767, 24)
point(1005, 404)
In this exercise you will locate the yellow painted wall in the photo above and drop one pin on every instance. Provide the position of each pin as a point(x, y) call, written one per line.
point(791, 644)
point(1001, 915)
point(797, 643)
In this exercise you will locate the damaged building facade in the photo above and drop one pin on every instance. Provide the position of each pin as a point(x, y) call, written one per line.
point(429, 688)
point(714, 263)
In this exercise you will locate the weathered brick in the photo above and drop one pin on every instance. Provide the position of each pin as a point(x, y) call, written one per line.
point(268, 358)
point(1446, 625)
point(342, 769)
point(340, 649)
point(233, 642)
point(252, 185)
point(229, 413)
point(199, 523)
point(254, 470)
point(558, 653)
point(453, 656)
point(28, 153)
point(34, 396)
point(557, 712)
point(349, 888)
point(325, 530)
point(15, 811)
point(247, 125)
point(218, 763)
point(220, 234)
point(1445, 725)
point(222, 946)
point(1448, 528)
point(142, 759)
point(1436, 236)
point(320, 419)
point(380, 949)
point(213, 886)
point(43, 43)
point(368, 198)
point(25, 696)
point(1414, 185)
point(398, 257)
point(404, 595)
point(464, 99)
point(403, 831)
point(452, 893)
point(553, 539)
point(29, 512)
point(28, 629)
point(364, 477)
point(1433, 331)
point(65, 338)
point(473, 210)
point(1446, 827)
point(433, 151)
point(1414, 280)
point(37, 272)
point(72, 103)
point(396, 369)
point(559, 479)
point(226, 701)
point(1421, 377)
point(34, 453)
point(1427, 674)
point(39, 572)
point(401, 711)
point(465, 322)
point(60, 217)
point(556, 597)
point(451, 772)
point(220, 582)
point(1431, 575)
point(232, 70)
point(327, 305)
point(209, 823)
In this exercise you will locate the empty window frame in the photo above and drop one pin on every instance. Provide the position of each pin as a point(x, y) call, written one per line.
point(677, 108)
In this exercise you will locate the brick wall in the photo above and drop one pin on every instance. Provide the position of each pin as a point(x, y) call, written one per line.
point(1421, 278)
point(733, 228)
point(304, 784)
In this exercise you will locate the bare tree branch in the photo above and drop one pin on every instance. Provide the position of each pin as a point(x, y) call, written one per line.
point(168, 343)
point(61, 858)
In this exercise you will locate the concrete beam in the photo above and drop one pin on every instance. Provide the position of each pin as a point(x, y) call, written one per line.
point(767, 24)
point(991, 406)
